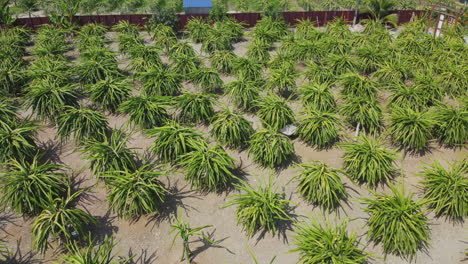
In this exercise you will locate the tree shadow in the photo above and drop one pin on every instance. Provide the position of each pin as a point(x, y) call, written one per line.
point(141, 258)
point(51, 151)
point(19, 257)
point(173, 201)
point(103, 228)
point(207, 244)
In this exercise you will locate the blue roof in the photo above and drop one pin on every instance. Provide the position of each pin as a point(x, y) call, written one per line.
point(197, 3)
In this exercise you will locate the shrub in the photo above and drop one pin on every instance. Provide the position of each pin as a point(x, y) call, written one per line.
point(84, 123)
point(410, 129)
point(247, 69)
point(160, 82)
point(321, 185)
point(184, 65)
point(231, 129)
point(341, 63)
point(48, 98)
point(195, 107)
point(173, 140)
point(368, 161)
point(319, 128)
point(317, 243)
point(259, 208)
point(363, 111)
point(208, 79)
point(451, 125)
point(7, 112)
point(223, 61)
point(270, 148)
point(208, 168)
point(317, 96)
point(398, 222)
point(91, 253)
point(275, 112)
point(243, 92)
point(198, 29)
point(17, 141)
point(26, 185)
point(146, 112)
point(283, 79)
point(407, 97)
point(259, 50)
point(111, 154)
point(137, 192)
point(355, 85)
point(447, 189)
point(110, 93)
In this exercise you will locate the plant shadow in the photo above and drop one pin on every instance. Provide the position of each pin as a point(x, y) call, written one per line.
point(18, 257)
point(142, 258)
point(51, 151)
point(207, 244)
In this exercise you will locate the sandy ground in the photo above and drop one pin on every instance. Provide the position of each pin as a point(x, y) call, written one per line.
point(148, 237)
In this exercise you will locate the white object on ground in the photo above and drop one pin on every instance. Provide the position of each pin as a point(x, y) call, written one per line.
point(288, 130)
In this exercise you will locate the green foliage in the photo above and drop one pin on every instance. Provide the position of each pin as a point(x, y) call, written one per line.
point(411, 129)
point(398, 223)
point(144, 58)
point(50, 68)
point(7, 112)
point(380, 11)
point(369, 161)
point(198, 29)
point(195, 107)
point(356, 85)
point(184, 65)
point(137, 192)
point(319, 73)
point(48, 98)
point(274, 112)
point(324, 243)
point(319, 128)
point(94, 70)
point(165, 15)
point(110, 154)
point(160, 82)
point(174, 140)
point(17, 141)
point(243, 92)
point(58, 220)
point(110, 93)
point(451, 125)
point(182, 48)
point(208, 79)
point(231, 129)
point(12, 78)
point(83, 123)
point(404, 96)
point(247, 69)
point(260, 208)
point(91, 253)
point(321, 185)
point(26, 185)
point(146, 112)
point(283, 79)
point(222, 61)
point(317, 96)
point(217, 40)
point(270, 148)
point(208, 168)
point(183, 230)
point(341, 63)
point(363, 111)
point(447, 189)
point(259, 50)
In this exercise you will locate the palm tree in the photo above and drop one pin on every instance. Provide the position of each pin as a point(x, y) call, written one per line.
point(231, 129)
point(83, 123)
point(319, 128)
point(160, 82)
point(397, 222)
point(195, 107)
point(321, 185)
point(173, 140)
point(26, 185)
point(270, 148)
point(111, 154)
point(380, 11)
point(146, 112)
point(60, 220)
point(110, 93)
point(325, 243)
point(259, 208)
point(47, 98)
point(208, 168)
point(134, 193)
point(274, 112)
point(17, 141)
point(183, 230)
point(369, 161)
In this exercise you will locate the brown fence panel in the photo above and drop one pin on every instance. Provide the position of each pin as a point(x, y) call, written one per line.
point(250, 19)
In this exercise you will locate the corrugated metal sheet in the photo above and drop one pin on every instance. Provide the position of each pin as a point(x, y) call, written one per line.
point(197, 3)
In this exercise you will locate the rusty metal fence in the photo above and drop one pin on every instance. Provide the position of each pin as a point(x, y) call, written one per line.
point(250, 19)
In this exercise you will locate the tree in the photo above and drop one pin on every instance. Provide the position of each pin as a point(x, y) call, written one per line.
point(380, 10)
